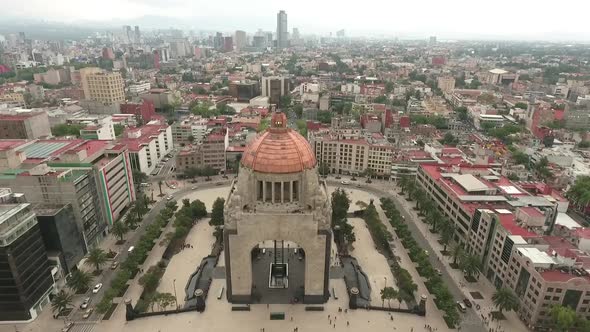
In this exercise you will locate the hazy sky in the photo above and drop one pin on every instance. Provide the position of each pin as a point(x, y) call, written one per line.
point(450, 18)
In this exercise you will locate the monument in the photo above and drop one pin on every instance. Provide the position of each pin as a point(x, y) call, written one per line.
point(277, 236)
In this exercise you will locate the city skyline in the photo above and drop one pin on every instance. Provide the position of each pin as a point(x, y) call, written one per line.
point(507, 20)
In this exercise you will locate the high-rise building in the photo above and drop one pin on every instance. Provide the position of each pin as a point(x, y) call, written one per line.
point(446, 83)
point(228, 44)
point(296, 33)
point(26, 274)
point(282, 30)
point(137, 35)
point(105, 87)
point(240, 39)
point(432, 40)
point(274, 87)
point(107, 53)
point(127, 34)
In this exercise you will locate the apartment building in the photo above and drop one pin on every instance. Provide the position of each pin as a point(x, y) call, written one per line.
point(24, 124)
point(24, 267)
point(192, 126)
point(505, 224)
point(446, 83)
point(352, 153)
point(105, 87)
point(147, 145)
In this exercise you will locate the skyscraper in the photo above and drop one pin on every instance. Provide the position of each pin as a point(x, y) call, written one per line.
point(282, 30)
point(240, 39)
point(137, 35)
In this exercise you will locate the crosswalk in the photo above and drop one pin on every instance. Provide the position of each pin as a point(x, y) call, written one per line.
point(83, 327)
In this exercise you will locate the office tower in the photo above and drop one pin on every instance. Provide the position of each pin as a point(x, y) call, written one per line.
point(137, 35)
point(432, 40)
point(228, 44)
point(282, 30)
point(274, 87)
point(127, 34)
point(240, 39)
point(295, 33)
point(26, 274)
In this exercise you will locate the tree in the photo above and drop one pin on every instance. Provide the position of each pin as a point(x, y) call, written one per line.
point(449, 139)
point(96, 257)
point(120, 229)
point(285, 101)
point(579, 193)
point(505, 299)
point(191, 139)
point(584, 145)
point(323, 169)
point(522, 106)
point(563, 317)
point(217, 212)
point(139, 177)
point(298, 109)
point(471, 264)
point(380, 100)
point(302, 127)
point(61, 301)
point(388, 293)
point(447, 232)
point(457, 253)
point(131, 218)
point(548, 141)
point(324, 116)
point(462, 113)
point(389, 87)
point(67, 130)
point(542, 169)
point(79, 281)
point(118, 129)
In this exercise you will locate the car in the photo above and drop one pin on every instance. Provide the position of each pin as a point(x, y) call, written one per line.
point(218, 183)
point(130, 250)
point(353, 179)
point(467, 302)
point(337, 177)
point(169, 198)
point(345, 182)
point(97, 288)
point(369, 181)
point(88, 312)
point(225, 177)
point(85, 303)
point(194, 188)
point(173, 187)
point(438, 272)
point(67, 327)
point(461, 306)
point(114, 265)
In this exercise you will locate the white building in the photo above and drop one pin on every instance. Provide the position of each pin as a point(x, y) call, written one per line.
point(139, 88)
point(147, 146)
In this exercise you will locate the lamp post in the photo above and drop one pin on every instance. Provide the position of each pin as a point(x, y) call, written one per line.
point(175, 298)
point(385, 278)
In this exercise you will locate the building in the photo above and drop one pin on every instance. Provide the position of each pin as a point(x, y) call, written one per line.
point(139, 88)
point(104, 87)
point(577, 117)
point(244, 91)
point(147, 146)
point(446, 83)
point(349, 152)
point(24, 125)
point(191, 126)
point(61, 235)
point(160, 97)
point(282, 30)
point(144, 110)
point(228, 44)
point(278, 204)
point(24, 267)
point(274, 87)
point(98, 127)
point(240, 38)
point(500, 76)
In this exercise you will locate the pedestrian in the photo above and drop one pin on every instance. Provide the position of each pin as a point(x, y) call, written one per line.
point(291, 318)
point(334, 325)
point(347, 323)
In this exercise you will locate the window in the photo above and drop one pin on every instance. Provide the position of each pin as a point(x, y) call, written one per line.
point(550, 289)
point(558, 290)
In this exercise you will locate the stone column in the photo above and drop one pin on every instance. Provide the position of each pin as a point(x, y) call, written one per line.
point(273, 192)
point(263, 191)
point(282, 191)
point(291, 191)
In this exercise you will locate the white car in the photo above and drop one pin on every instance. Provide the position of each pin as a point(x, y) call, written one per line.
point(345, 182)
point(87, 313)
point(169, 198)
point(97, 288)
point(85, 303)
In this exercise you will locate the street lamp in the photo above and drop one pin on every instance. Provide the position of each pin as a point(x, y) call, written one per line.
point(175, 298)
point(385, 278)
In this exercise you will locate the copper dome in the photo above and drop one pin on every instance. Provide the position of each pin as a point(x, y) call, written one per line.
point(279, 150)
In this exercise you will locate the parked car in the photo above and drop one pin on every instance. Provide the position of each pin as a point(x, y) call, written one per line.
point(337, 177)
point(67, 327)
point(88, 312)
point(85, 303)
point(114, 265)
point(130, 250)
point(467, 303)
point(461, 306)
point(438, 272)
point(194, 188)
point(169, 198)
point(345, 182)
point(97, 288)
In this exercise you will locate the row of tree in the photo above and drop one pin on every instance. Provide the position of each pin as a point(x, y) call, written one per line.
point(193, 172)
point(340, 205)
point(434, 283)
